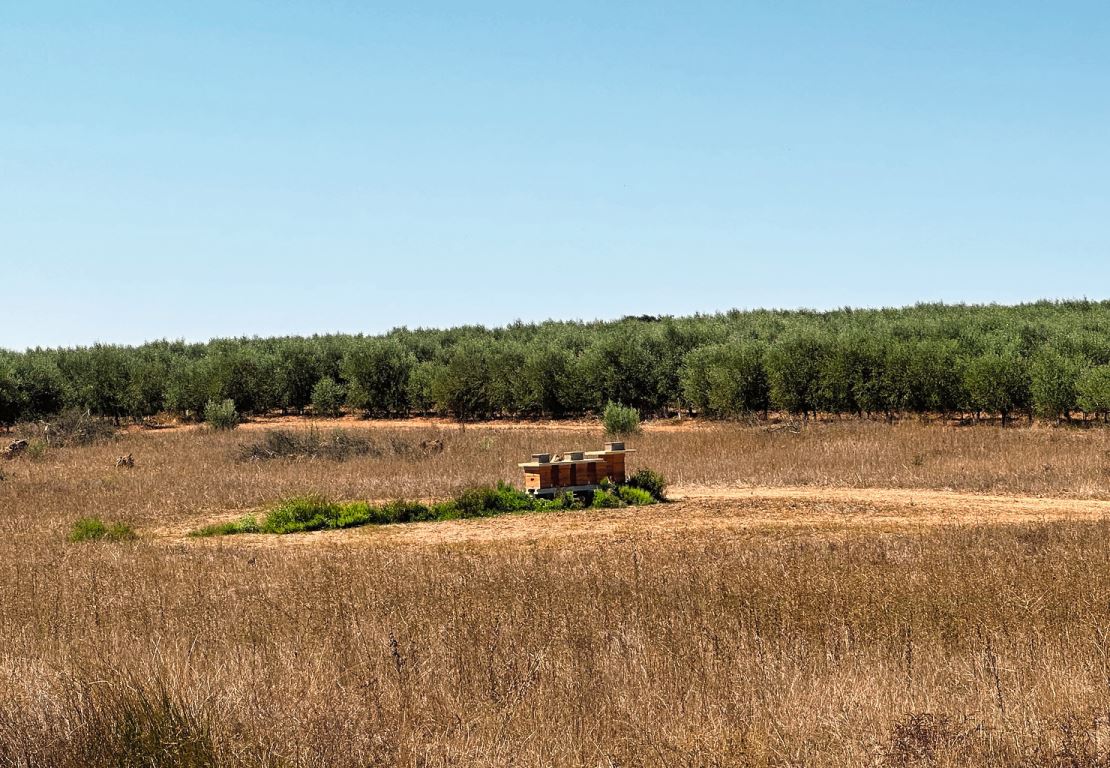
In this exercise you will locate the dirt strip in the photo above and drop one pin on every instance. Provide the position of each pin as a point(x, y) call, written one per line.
point(700, 511)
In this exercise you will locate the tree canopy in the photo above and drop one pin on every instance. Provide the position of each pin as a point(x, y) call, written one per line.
point(1048, 358)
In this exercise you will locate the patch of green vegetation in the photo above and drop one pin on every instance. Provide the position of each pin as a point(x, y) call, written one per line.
point(221, 414)
point(327, 397)
point(650, 481)
point(314, 513)
point(95, 529)
point(635, 497)
point(604, 499)
point(620, 421)
point(248, 524)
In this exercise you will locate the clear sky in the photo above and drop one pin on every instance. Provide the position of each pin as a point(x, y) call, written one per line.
point(188, 170)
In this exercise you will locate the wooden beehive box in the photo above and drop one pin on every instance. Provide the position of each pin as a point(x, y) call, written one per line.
point(575, 470)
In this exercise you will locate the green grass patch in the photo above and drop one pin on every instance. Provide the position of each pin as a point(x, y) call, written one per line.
point(606, 499)
point(635, 497)
point(95, 529)
point(315, 513)
point(248, 524)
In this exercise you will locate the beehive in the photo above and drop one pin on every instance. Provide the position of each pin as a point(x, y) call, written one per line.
point(574, 471)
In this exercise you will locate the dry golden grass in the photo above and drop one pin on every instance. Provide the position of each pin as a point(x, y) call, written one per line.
point(822, 626)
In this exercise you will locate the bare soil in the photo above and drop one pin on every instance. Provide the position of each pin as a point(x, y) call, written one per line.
point(728, 511)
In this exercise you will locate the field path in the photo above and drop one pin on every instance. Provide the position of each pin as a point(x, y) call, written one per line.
point(960, 502)
point(700, 511)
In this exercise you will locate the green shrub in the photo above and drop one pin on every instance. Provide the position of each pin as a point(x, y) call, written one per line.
point(650, 481)
point(95, 529)
point(605, 500)
point(636, 497)
point(221, 414)
point(354, 514)
point(563, 501)
point(405, 512)
point(327, 397)
point(303, 513)
point(620, 421)
point(477, 502)
point(313, 513)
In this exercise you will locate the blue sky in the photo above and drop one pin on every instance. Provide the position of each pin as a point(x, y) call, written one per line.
point(238, 168)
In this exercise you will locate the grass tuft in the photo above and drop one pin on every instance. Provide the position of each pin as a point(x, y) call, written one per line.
point(248, 524)
point(95, 529)
point(133, 725)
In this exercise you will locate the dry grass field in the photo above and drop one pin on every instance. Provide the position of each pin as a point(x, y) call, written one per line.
point(856, 594)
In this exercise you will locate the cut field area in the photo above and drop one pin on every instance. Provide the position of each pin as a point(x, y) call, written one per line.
point(697, 510)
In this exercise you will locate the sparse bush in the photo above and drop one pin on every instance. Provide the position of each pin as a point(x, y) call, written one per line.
point(620, 420)
point(70, 428)
point(95, 529)
point(650, 481)
point(920, 739)
point(296, 444)
point(221, 414)
point(327, 397)
point(339, 445)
